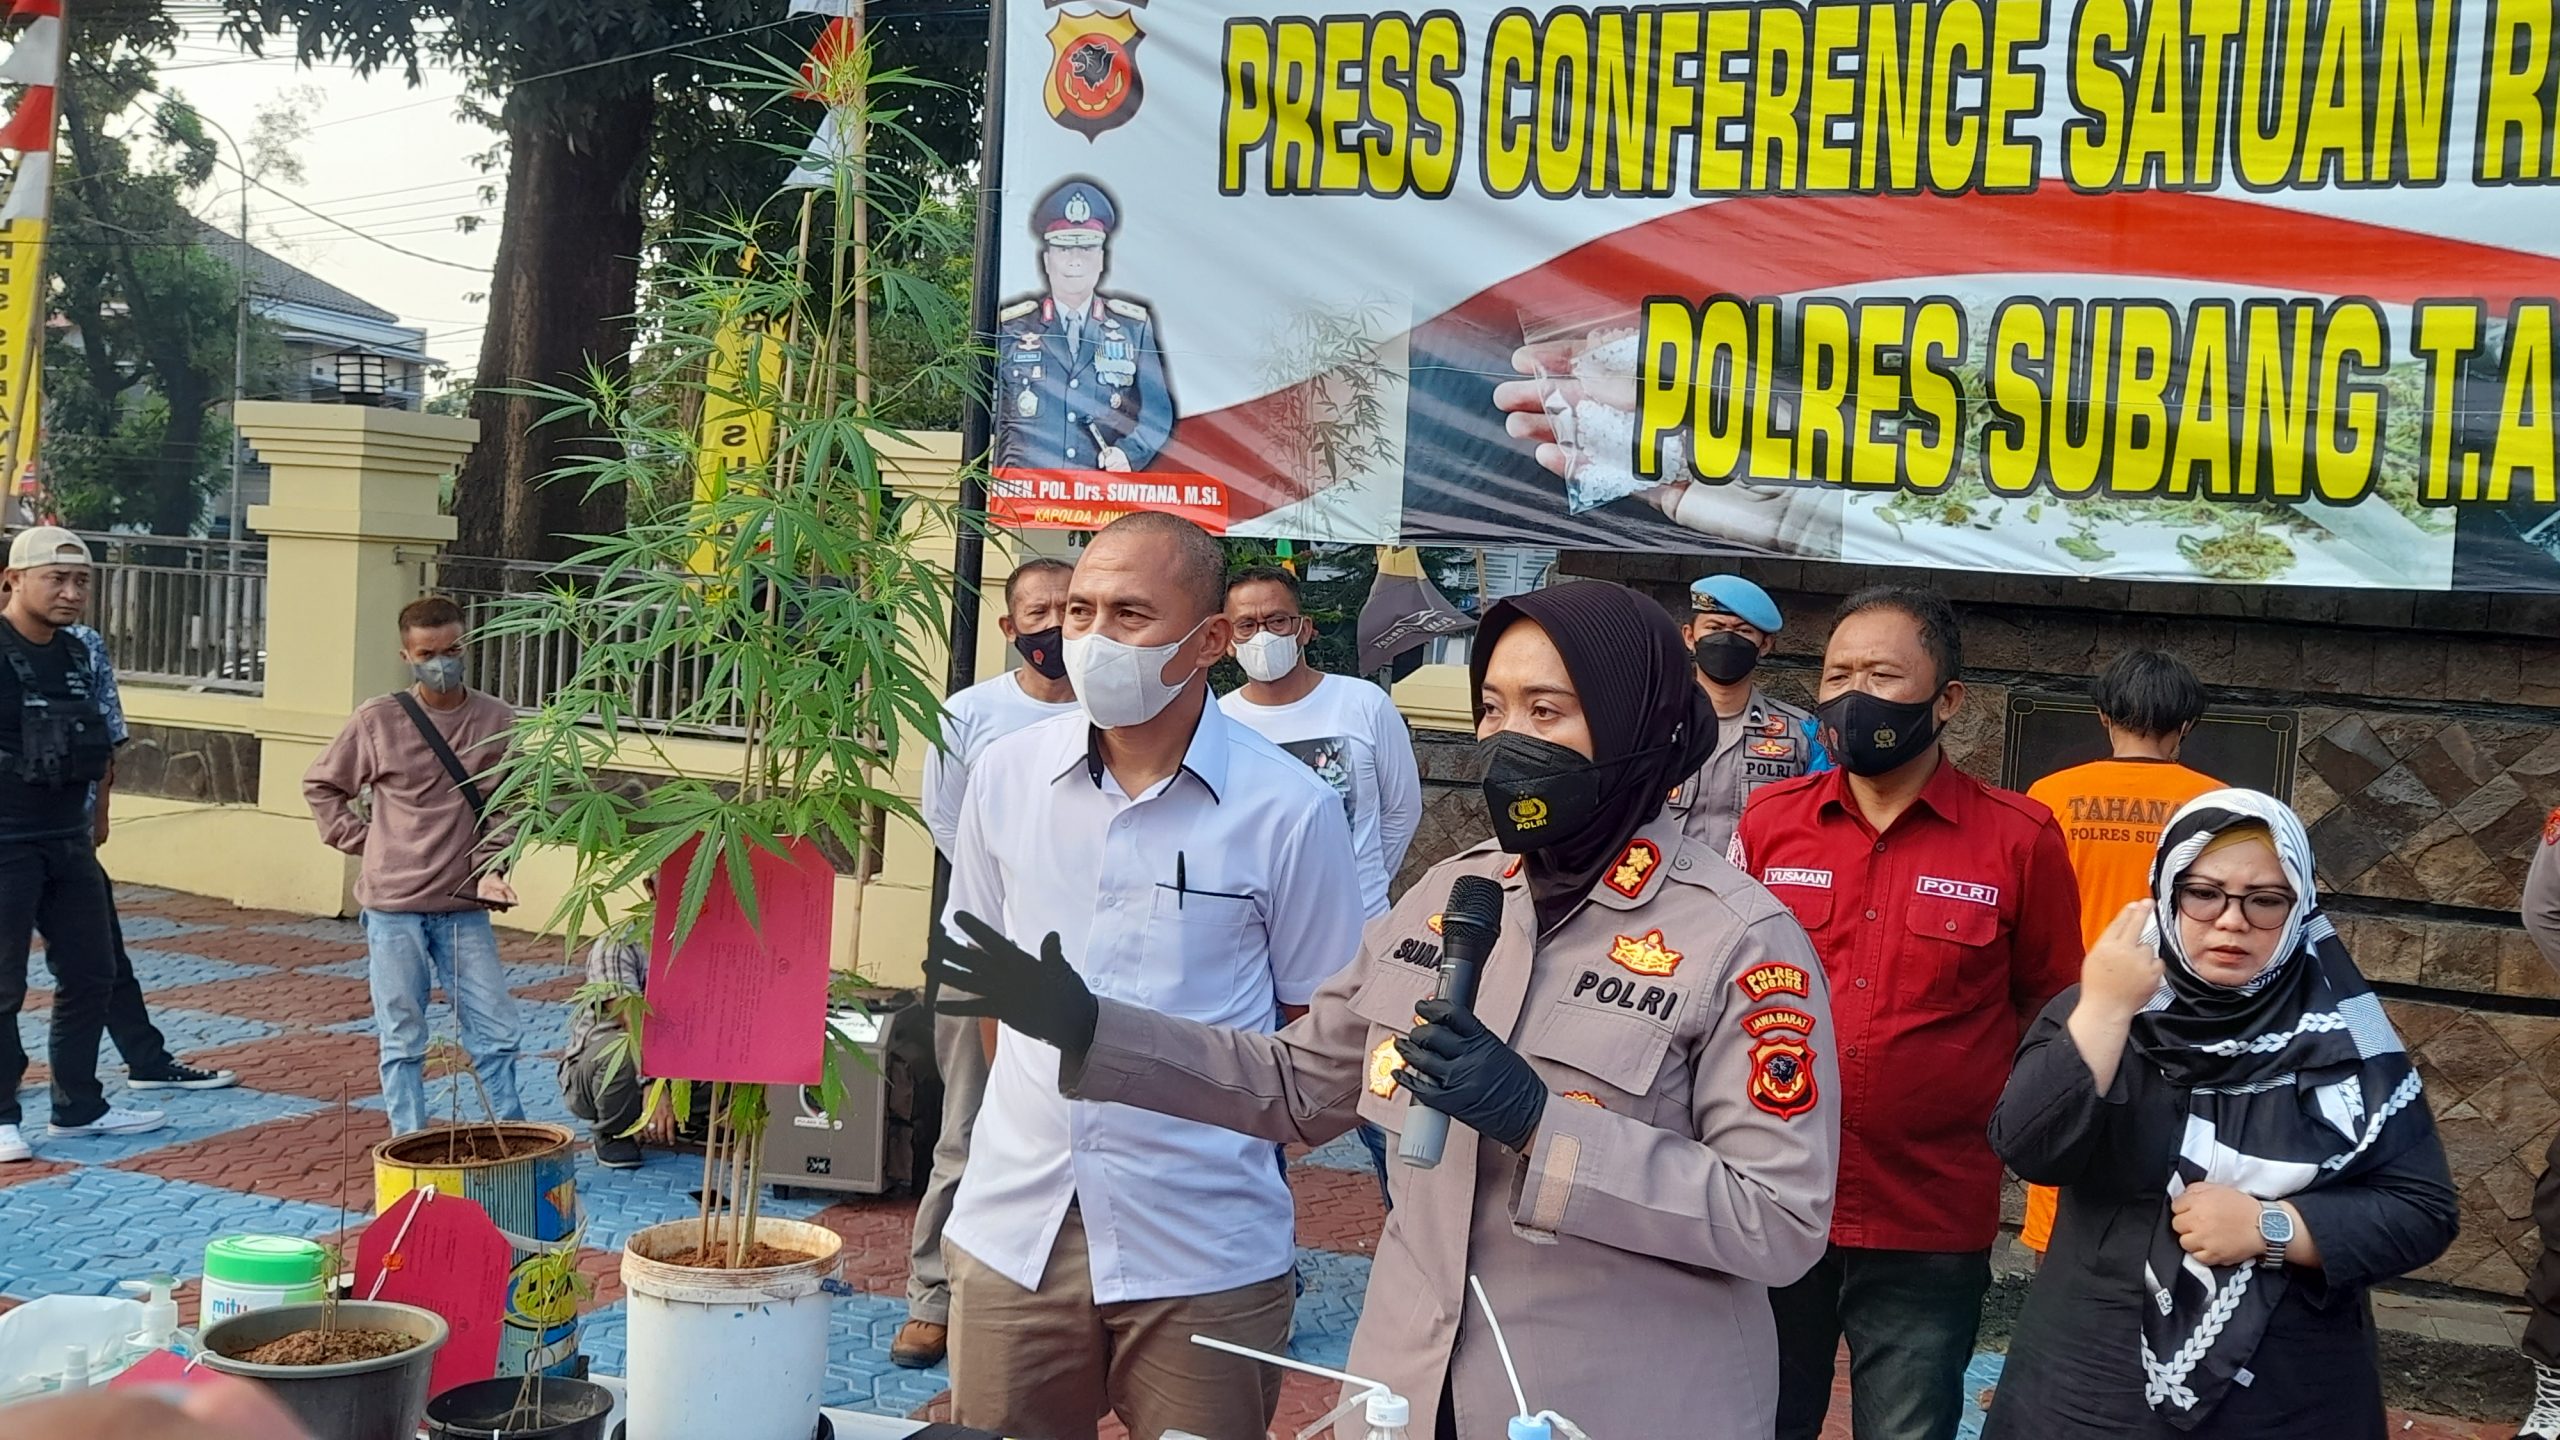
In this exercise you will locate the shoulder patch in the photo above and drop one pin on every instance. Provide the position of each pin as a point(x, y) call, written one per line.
point(1017, 311)
point(1633, 866)
point(1776, 977)
point(1129, 309)
point(1782, 1076)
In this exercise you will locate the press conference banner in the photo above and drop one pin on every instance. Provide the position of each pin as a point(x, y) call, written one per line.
point(2200, 290)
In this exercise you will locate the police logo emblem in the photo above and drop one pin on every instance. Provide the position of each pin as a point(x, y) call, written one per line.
point(1584, 1097)
point(1782, 1077)
point(1093, 83)
point(1529, 813)
point(1647, 955)
point(1026, 404)
point(1776, 749)
point(1886, 737)
point(1384, 1062)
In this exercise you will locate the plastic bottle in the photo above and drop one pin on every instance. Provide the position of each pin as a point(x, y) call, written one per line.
point(160, 1329)
point(1389, 1414)
point(75, 1368)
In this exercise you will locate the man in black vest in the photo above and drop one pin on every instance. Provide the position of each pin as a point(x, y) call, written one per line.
point(54, 745)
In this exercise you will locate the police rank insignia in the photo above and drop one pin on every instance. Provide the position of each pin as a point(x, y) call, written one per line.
point(1384, 1062)
point(1782, 1075)
point(1093, 81)
point(1775, 978)
point(1646, 956)
point(1627, 876)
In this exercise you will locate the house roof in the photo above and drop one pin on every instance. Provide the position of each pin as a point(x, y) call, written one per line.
point(281, 280)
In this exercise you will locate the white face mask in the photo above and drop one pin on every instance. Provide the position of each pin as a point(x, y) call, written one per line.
point(1266, 657)
point(1120, 684)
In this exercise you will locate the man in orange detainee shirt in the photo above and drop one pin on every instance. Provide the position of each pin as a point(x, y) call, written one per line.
point(2112, 810)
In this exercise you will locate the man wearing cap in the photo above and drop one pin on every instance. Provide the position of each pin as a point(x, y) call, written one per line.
point(1080, 381)
point(1759, 739)
point(54, 745)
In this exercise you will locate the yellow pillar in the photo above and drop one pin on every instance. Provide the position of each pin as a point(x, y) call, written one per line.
point(352, 487)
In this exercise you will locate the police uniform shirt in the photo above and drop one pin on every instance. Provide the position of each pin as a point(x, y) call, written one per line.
point(1219, 894)
point(1770, 741)
point(1684, 1163)
point(1065, 379)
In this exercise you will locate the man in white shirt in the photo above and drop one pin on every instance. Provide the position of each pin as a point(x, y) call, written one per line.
point(1346, 730)
point(1178, 860)
point(1035, 606)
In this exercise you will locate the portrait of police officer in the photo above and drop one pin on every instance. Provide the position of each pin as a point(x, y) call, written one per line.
point(1080, 380)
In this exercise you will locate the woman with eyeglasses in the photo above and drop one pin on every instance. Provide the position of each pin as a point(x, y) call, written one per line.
point(2243, 1147)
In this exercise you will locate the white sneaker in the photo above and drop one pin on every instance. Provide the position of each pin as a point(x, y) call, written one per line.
point(117, 1121)
point(13, 1146)
point(2544, 1422)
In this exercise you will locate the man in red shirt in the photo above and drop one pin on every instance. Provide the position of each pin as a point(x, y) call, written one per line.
point(1945, 914)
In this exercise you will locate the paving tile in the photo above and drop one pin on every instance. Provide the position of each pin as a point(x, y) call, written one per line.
point(140, 896)
point(877, 1234)
point(618, 1203)
point(345, 932)
point(81, 1233)
point(283, 952)
point(557, 988)
point(24, 1171)
point(309, 1157)
point(194, 1116)
point(160, 969)
point(1342, 1152)
point(294, 999)
point(316, 1064)
point(1337, 1209)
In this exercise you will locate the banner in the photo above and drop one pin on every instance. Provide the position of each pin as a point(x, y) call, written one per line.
point(2253, 291)
point(736, 432)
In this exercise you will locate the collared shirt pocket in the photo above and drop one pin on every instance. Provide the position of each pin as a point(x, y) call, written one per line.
point(1200, 950)
point(1386, 1000)
point(1596, 1054)
point(1810, 903)
point(1949, 956)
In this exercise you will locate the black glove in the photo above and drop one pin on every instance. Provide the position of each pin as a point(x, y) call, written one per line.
point(1042, 996)
point(1456, 1066)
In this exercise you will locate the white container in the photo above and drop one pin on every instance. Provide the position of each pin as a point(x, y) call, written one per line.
point(259, 1272)
point(740, 1354)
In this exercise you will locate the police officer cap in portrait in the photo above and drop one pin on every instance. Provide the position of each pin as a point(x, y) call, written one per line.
point(1082, 374)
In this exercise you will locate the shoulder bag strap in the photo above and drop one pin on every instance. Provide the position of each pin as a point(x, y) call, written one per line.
point(445, 757)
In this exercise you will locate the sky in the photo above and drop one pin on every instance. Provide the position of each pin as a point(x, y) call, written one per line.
point(395, 163)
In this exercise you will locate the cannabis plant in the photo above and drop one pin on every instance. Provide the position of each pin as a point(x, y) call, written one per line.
point(789, 608)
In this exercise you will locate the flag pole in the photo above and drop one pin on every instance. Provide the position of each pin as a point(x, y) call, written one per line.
point(977, 419)
point(22, 447)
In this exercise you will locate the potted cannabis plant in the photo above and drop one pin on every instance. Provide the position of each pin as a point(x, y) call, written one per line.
point(789, 609)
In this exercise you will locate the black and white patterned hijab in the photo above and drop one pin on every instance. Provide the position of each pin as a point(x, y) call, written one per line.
point(2296, 1080)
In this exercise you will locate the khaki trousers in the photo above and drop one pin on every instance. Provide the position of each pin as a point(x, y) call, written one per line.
point(1046, 1364)
point(962, 1057)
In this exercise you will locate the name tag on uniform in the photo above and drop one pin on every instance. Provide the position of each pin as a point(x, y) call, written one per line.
point(1810, 879)
point(1959, 890)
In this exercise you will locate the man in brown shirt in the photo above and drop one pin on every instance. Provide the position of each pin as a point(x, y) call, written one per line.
point(383, 791)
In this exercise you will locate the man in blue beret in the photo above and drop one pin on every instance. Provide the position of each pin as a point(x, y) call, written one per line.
point(1759, 739)
point(1079, 379)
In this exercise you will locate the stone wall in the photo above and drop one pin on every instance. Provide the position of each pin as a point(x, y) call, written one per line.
point(2427, 756)
point(209, 767)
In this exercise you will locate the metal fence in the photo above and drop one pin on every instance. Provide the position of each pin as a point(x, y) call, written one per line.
point(527, 670)
point(179, 611)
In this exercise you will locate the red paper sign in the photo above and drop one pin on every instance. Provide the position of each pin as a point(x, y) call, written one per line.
point(441, 1252)
point(162, 1369)
point(743, 1002)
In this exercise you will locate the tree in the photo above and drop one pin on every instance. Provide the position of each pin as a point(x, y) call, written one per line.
point(130, 439)
point(614, 116)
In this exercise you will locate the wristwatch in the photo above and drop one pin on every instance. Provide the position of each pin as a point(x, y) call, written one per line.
point(2275, 1226)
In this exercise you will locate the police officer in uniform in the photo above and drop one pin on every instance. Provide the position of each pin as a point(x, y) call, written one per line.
point(1080, 378)
point(1759, 739)
point(1644, 1138)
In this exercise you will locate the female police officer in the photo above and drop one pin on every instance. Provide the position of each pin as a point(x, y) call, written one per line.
point(1644, 1138)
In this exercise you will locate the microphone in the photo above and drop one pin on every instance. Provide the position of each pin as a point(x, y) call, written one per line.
point(1469, 925)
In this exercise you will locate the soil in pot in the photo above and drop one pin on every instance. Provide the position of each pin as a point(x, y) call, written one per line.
point(466, 1145)
point(717, 1257)
point(328, 1347)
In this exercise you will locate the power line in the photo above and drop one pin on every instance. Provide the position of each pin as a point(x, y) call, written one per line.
point(339, 224)
point(577, 69)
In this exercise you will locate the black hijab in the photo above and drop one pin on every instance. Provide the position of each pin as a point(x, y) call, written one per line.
point(1645, 708)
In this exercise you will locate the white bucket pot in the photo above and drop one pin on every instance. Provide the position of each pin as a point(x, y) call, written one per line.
point(740, 1354)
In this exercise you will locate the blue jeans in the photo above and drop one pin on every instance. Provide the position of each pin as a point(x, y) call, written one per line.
point(411, 954)
point(1374, 1140)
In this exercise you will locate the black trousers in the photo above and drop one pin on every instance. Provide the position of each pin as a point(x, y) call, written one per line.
point(1910, 1318)
point(57, 886)
point(2542, 1287)
point(144, 1048)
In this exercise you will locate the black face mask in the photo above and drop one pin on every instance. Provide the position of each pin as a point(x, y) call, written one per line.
point(1726, 656)
point(1542, 793)
point(1874, 736)
point(1045, 651)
